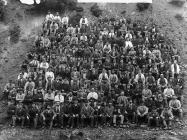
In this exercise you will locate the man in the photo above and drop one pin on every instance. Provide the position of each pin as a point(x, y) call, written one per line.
point(33, 115)
point(153, 118)
point(93, 94)
point(48, 116)
point(29, 86)
point(140, 78)
point(49, 96)
point(21, 81)
point(99, 115)
point(168, 93)
point(20, 115)
point(122, 99)
point(49, 17)
point(87, 115)
point(49, 73)
point(113, 78)
point(142, 112)
point(175, 69)
point(76, 109)
point(103, 79)
point(131, 111)
point(109, 110)
point(57, 18)
point(176, 108)
point(162, 82)
point(59, 97)
point(146, 93)
point(8, 87)
point(118, 114)
point(20, 96)
point(167, 117)
point(58, 119)
point(83, 22)
point(65, 21)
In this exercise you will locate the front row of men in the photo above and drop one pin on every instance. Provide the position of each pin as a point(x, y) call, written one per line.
point(91, 114)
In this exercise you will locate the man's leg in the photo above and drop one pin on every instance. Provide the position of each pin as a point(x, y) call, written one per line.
point(121, 120)
point(114, 120)
point(22, 121)
point(14, 121)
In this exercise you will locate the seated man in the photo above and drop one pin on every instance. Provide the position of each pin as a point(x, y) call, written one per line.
point(142, 112)
point(87, 115)
point(49, 96)
point(48, 116)
point(168, 93)
point(75, 109)
point(131, 111)
point(92, 94)
point(20, 96)
point(162, 82)
point(175, 106)
point(118, 114)
point(153, 118)
point(20, 115)
point(58, 109)
point(59, 97)
point(109, 110)
point(33, 115)
point(8, 87)
point(122, 99)
point(167, 117)
point(99, 115)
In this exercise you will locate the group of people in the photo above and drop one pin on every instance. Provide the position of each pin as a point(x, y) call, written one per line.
point(105, 73)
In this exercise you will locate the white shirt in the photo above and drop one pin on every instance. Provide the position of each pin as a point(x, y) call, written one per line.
point(49, 17)
point(25, 75)
point(128, 44)
point(173, 69)
point(92, 95)
point(142, 78)
point(169, 92)
point(49, 74)
point(44, 65)
point(86, 21)
point(65, 20)
point(57, 18)
point(59, 98)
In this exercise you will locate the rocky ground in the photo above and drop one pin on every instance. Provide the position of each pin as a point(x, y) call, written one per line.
point(161, 13)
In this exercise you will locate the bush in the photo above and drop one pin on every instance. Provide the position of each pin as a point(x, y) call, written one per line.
point(79, 9)
point(54, 6)
point(14, 32)
point(142, 6)
point(96, 11)
point(74, 20)
point(178, 3)
point(2, 10)
point(179, 17)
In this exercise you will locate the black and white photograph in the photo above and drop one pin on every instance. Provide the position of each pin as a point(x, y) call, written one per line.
point(93, 69)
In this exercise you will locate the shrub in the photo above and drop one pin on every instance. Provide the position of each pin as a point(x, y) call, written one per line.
point(178, 3)
point(142, 6)
point(14, 32)
point(2, 10)
point(179, 17)
point(74, 20)
point(96, 11)
point(79, 9)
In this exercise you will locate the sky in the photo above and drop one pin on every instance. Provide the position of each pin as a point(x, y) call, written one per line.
point(29, 2)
